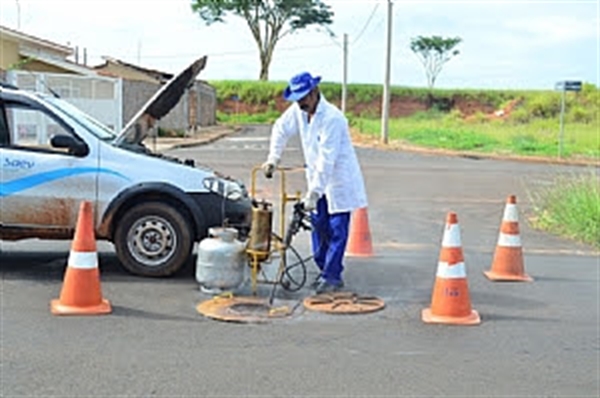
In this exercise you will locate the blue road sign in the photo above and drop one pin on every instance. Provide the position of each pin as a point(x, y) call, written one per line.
point(568, 85)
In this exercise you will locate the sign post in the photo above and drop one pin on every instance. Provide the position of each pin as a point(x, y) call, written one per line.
point(564, 86)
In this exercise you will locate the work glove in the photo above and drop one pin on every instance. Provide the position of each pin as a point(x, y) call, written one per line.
point(310, 200)
point(269, 168)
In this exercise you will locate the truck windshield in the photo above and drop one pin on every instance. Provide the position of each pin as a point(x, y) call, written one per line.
point(78, 116)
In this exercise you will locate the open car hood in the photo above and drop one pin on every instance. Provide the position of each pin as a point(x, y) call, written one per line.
point(161, 103)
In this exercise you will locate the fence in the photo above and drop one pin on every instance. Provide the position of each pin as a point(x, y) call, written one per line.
point(98, 96)
point(114, 101)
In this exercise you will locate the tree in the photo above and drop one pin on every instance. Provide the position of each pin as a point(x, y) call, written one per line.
point(434, 52)
point(268, 20)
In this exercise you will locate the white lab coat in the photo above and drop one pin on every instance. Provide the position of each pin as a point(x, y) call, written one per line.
point(332, 167)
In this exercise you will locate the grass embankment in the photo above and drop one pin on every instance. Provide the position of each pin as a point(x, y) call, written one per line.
point(260, 92)
point(571, 207)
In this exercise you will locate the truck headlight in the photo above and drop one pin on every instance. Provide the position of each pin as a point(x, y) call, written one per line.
point(228, 189)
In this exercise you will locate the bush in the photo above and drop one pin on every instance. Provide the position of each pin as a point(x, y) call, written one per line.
point(543, 105)
point(579, 114)
point(455, 115)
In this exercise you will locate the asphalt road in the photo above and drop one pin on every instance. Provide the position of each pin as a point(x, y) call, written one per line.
point(535, 339)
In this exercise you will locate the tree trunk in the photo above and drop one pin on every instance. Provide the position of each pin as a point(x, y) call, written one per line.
point(265, 62)
point(264, 70)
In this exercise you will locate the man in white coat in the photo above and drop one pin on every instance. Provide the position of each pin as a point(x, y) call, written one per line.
point(335, 185)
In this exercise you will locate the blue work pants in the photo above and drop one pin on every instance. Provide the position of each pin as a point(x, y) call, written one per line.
point(329, 238)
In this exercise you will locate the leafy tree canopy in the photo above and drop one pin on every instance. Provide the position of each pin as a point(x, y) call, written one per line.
point(434, 52)
point(269, 20)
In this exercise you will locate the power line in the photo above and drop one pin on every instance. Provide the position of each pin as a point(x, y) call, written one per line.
point(228, 53)
point(366, 23)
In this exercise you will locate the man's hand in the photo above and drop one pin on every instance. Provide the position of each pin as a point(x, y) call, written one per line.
point(310, 200)
point(268, 169)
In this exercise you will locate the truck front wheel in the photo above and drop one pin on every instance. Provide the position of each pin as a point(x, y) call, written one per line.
point(153, 239)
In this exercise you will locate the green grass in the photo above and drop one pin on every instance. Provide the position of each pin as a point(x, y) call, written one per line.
point(438, 130)
point(536, 138)
point(570, 207)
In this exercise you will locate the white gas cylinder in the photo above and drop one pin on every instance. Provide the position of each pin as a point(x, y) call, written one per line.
point(221, 261)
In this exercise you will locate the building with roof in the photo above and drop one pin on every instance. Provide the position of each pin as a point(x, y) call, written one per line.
point(19, 50)
point(111, 92)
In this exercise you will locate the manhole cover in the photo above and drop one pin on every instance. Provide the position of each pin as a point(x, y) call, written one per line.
point(343, 303)
point(241, 309)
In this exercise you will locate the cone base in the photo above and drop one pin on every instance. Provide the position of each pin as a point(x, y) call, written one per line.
point(498, 276)
point(471, 319)
point(60, 309)
point(351, 254)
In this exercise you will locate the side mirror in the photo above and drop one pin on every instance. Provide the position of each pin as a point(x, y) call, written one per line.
point(75, 146)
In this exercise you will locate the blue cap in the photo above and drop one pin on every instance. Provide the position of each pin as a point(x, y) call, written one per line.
point(299, 86)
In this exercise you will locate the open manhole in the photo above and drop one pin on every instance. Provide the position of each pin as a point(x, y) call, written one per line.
point(343, 303)
point(241, 309)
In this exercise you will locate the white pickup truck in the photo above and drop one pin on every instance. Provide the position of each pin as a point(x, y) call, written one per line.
point(152, 207)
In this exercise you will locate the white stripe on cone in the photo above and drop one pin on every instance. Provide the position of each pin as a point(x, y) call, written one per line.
point(511, 213)
point(451, 236)
point(83, 260)
point(451, 271)
point(508, 240)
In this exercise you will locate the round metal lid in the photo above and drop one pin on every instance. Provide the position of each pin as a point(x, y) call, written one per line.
point(343, 303)
point(241, 309)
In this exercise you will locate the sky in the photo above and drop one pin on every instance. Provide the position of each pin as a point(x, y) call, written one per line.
point(505, 44)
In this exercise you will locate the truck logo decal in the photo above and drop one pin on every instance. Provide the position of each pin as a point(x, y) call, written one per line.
point(21, 184)
point(18, 164)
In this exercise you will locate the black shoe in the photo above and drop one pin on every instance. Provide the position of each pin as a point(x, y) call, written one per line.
point(326, 287)
point(316, 282)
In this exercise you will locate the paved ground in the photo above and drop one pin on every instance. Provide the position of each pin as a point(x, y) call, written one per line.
point(536, 339)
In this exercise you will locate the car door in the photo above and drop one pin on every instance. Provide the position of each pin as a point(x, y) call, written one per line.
point(41, 185)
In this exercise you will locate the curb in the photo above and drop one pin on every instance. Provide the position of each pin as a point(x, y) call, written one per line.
point(207, 138)
point(476, 155)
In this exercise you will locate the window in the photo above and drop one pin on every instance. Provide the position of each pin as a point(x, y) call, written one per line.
point(32, 128)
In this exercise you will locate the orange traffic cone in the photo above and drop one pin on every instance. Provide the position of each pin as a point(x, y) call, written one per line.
point(81, 293)
point(508, 262)
point(359, 241)
point(450, 302)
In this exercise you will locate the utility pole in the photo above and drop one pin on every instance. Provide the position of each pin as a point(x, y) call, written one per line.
point(385, 108)
point(18, 15)
point(345, 75)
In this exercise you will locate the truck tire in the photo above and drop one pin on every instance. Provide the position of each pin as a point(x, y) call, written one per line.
point(153, 239)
